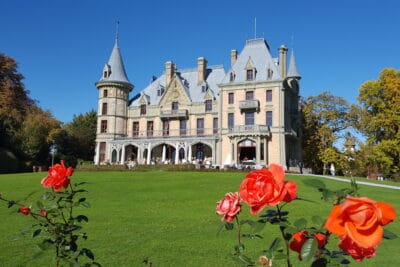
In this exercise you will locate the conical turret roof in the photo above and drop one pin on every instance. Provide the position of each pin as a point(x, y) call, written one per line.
point(116, 67)
point(292, 71)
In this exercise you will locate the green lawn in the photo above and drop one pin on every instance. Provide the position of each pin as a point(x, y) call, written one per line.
point(167, 217)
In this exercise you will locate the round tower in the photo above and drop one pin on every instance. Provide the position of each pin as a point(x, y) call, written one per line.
point(113, 99)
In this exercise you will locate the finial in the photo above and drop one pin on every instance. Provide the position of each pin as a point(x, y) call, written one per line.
point(116, 31)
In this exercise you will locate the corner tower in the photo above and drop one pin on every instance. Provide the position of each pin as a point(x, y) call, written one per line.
point(113, 97)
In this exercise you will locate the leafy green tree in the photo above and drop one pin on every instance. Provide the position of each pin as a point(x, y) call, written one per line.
point(82, 134)
point(326, 117)
point(379, 121)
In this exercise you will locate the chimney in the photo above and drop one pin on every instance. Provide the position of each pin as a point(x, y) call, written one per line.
point(169, 72)
point(282, 60)
point(233, 56)
point(201, 69)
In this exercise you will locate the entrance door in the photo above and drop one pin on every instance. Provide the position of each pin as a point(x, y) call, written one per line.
point(247, 150)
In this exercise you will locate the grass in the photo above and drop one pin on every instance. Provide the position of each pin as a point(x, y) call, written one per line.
point(166, 217)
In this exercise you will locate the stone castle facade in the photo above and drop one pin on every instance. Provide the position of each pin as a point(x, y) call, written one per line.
point(248, 115)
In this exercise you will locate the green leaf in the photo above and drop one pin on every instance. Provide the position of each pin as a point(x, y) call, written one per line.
point(315, 183)
point(275, 244)
point(81, 218)
point(40, 205)
point(258, 227)
point(82, 199)
point(36, 232)
point(317, 220)
point(389, 235)
point(229, 226)
point(239, 248)
point(309, 249)
point(246, 260)
point(85, 204)
point(88, 253)
point(249, 222)
point(300, 223)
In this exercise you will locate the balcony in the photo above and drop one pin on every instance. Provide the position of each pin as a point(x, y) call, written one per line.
point(173, 114)
point(249, 105)
point(249, 130)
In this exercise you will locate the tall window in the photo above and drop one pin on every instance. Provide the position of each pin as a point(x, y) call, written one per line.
point(200, 126)
point(102, 152)
point(231, 98)
point(150, 127)
point(249, 75)
point(105, 93)
point(103, 126)
point(268, 96)
point(175, 106)
point(268, 116)
point(182, 127)
point(143, 109)
point(231, 120)
point(249, 95)
point(249, 118)
point(208, 105)
point(215, 125)
point(135, 129)
point(104, 109)
point(165, 128)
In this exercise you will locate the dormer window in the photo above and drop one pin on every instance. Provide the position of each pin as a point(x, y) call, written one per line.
point(250, 75)
point(175, 106)
point(269, 73)
point(203, 88)
point(143, 109)
point(106, 71)
point(232, 77)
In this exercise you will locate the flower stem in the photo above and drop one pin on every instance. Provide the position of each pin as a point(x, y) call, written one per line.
point(282, 229)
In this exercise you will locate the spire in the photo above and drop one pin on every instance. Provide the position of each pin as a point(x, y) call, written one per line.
point(115, 66)
point(292, 72)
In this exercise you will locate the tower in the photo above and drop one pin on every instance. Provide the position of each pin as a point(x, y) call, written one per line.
point(113, 97)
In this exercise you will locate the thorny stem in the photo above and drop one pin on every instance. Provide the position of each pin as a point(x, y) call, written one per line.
point(282, 229)
point(239, 231)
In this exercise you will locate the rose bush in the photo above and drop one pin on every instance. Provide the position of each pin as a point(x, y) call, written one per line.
point(357, 221)
point(56, 219)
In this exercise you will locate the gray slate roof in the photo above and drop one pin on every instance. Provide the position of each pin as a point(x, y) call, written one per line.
point(292, 71)
point(256, 50)
point(188, 78)
point(115, 63)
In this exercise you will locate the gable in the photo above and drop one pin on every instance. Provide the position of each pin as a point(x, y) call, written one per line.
point(175, 92)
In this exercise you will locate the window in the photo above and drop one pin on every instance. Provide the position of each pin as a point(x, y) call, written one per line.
point(102, 152)
point(231, 77)
point(135, 129)
point(268, 116)
point(150, 127)
point(182, 127)
point(231, 98)
point(165, 128)
point(104, 109)
point(208, 105)
point(249, 75)
point(249, 95)
point(249, 118)
point(200, 126)
point(269, 73)
point(215, 125)
point(268, 96)
point(105, 93)
point(231, 120)
point(143, 109)
point(175, 106)
point(103, 127)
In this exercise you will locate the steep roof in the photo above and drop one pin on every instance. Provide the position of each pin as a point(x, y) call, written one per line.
point(256, 54)
point(292, 71)
point(116, 67)
point(189, 80)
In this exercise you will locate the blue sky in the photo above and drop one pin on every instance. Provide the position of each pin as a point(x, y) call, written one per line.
point(62, 46)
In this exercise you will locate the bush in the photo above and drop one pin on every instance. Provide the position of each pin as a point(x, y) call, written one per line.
point(8, 161)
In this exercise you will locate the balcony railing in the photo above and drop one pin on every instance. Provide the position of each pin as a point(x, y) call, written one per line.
point(249, 104)
point(166, 133)
point(178, 113)
point(252, 130)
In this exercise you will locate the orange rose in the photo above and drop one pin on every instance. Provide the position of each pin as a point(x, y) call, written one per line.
point(229, 206)
point(360, 220)
point(266, 187)
point(301, 237)
point(58, 176)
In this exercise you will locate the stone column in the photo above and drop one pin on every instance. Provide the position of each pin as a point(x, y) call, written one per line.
point(148, 154)
point(123, 155)
point(235, 151)
point(177, 153)
point(190, 153)
point(258, 151)
point(97, 154)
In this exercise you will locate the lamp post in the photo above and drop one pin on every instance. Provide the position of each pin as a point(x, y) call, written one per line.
point(53, 151)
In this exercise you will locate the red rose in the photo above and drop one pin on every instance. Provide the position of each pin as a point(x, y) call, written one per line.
point(266, 187)
point(43, 213)
point(25, 210)
point(361, 220)
point(229, 206)
point(58, 177)
point(301, 237)
point(356, 252)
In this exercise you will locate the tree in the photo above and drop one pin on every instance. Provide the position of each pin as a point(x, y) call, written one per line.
point(325, 118)
point(379, 120)
point(82, 134)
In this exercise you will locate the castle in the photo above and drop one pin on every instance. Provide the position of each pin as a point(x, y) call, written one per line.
point(248, 115)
